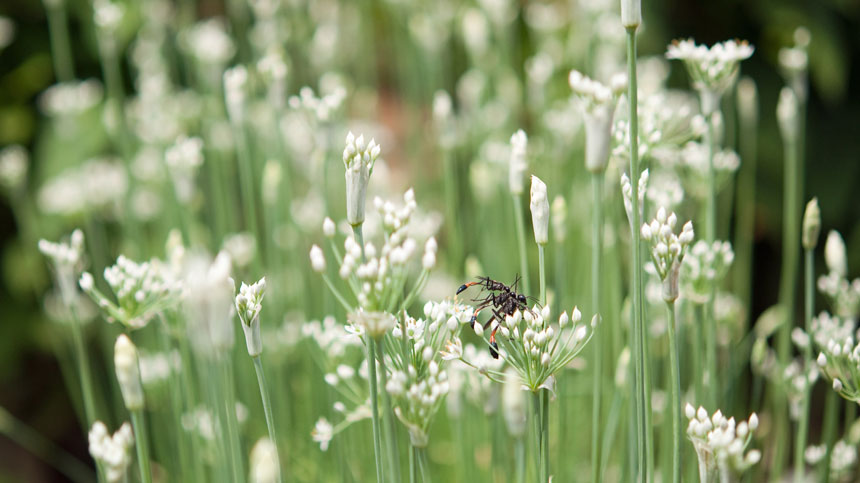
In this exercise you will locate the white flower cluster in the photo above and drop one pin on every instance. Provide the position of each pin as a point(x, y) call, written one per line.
point(417, 397)
point(208, 299)
point(535, 347)
point(183, 159)
point(201, 422)
point(208, 42)
point(518, 162)
point(142, 290)
point(157, 367)
point(95, 185)
point(839, 359)
point(694, 163)
point(249, 303)
point(704, 266)
point(712, 70)
point(844, 295)
point(70, 98)
point(667, 249)
point(627, 193)
point(320, 108)
point(330, 336)
point(720, 443)
point(468, 384)
point(598, 105)
point(358, 159)
point(112, 452)
point(14, 162)
point(265, 466)
point(66, 259)
point(797, 379)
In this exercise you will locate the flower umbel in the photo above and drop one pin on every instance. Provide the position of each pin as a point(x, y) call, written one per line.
point(358, 159)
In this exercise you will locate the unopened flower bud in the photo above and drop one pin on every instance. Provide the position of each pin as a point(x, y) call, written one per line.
point(328, 227)
point(317, 259)
point(811, 225)
point(631, 13)
point(128, 373)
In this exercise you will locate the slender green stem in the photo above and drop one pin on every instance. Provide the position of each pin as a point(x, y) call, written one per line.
point(636, 279)
point(267, 404)
point(803, 422)
point(141, 442)
point(520, 461)
point(83, 360)
point(374, 406)
point(359, 238)
point(389, 429)
point(698, 364)
point(521, 242)
point(675, 400)
point(413, 468)
point(424, 464)
point(544, 449)
point(44, 449)
point(787, 286)
point(247, 191)
point(542, 267)
point(711, 236)
point(233, 437)
point(61, 53)
point(536, 433)
point(828, 432)
point(596, 248)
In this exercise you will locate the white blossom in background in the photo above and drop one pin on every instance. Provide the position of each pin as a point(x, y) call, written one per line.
point(71, 98)
point(235, 92)
point(323, 433)
point(374, 324)
point(183, 160)
point(539, 205)
point(331, 338)
point(797, 378)
point(242, 248)
point(97, 184)
point(558, 210)
point(358, 159)
point(667, 249)
point(788, 116)
point(518, 162)
point(209, 303)
point(321, 109)
point(844, 294)
point(514, 404)
point(843, 458)
point(112, 452)
point(142, 291)
point(627, 193)
point(249, 303)
point(204, 425)
point(14, 164)
point(66, 259)
point(705, 265)
point(665, 190)
point(128, 373)
point(720, 443)
point(208, 42)
point(694, 165)
point(598, 104)
point(794, 62)
point(272, 68)
point(265, 467)
point(157, 367)
point(713, 70)
point(7, 32)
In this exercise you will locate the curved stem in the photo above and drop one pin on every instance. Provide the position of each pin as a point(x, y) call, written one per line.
point(140, 442)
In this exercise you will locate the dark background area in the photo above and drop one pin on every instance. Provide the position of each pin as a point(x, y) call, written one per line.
point(31, 386)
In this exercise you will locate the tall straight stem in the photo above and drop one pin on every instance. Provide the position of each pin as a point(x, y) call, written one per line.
point(390, 435)
point(542, 268)
point(84, 370)
point(536, 436)
point(233, 437)
point(636, 278)
point(61, 53)
point(359, 239)
point(675, 376)
point(596, 248)
point(267, 404)
point(374, 405)
point(544, 398)
point(828, 432)
point(141, 442)
point(521, 242)
point(809, 309)
point(711, 236)
point(788, 281)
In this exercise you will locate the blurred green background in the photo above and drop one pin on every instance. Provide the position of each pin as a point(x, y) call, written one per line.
point(31, 387)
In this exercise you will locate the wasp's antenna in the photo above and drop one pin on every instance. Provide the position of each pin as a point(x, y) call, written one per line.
point(516, 282)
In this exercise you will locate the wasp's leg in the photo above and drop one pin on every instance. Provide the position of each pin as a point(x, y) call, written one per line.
point(494, 347)
point(475, 315)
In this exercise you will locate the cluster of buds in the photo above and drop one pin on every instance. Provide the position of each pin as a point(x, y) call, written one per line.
point(418, 392)
point(713, 70)
point(249, 303)
point(667, 249)
point(142, 290)
point(66, 259)
point(539, 205)
point(358, 159)
point(798, 378)
point(844, 294)
point(627, 193)
point(598, 104)
point(535, 347)
point(839, 359)
point(695, 161)
point(705, 266)
point(112, 452)
point(720, 443)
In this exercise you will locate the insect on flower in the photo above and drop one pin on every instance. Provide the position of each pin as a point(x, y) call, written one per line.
point(502, 300)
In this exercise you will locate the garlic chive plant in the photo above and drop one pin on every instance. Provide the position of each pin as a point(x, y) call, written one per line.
point(517, 167)
point(112, 452)
point(667, 254)
point(128, 375)
point(721, 444)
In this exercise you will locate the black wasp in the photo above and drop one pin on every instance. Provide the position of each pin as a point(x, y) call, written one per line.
point(503, 300)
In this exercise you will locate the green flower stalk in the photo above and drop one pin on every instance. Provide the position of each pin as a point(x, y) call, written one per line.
point(128, 375)
point(667, 254)
point(248, 305)
point(721, 444)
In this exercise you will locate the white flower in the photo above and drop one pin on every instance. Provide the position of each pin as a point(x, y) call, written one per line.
point(209, 303)
point(317, 259)
point(375, 324)
point(598, 104)
point(358, 159)
point(834, 253)
point(518, 162)
point(264, 462)
point(712, 70)
point(235, 84)
point(328, 227)
point(631, 13)
point(128, 373)
point(183, 159)
point(323, 433)
point(113, 453)
point(540, 211)
point(786, 114)
point(248, 305)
